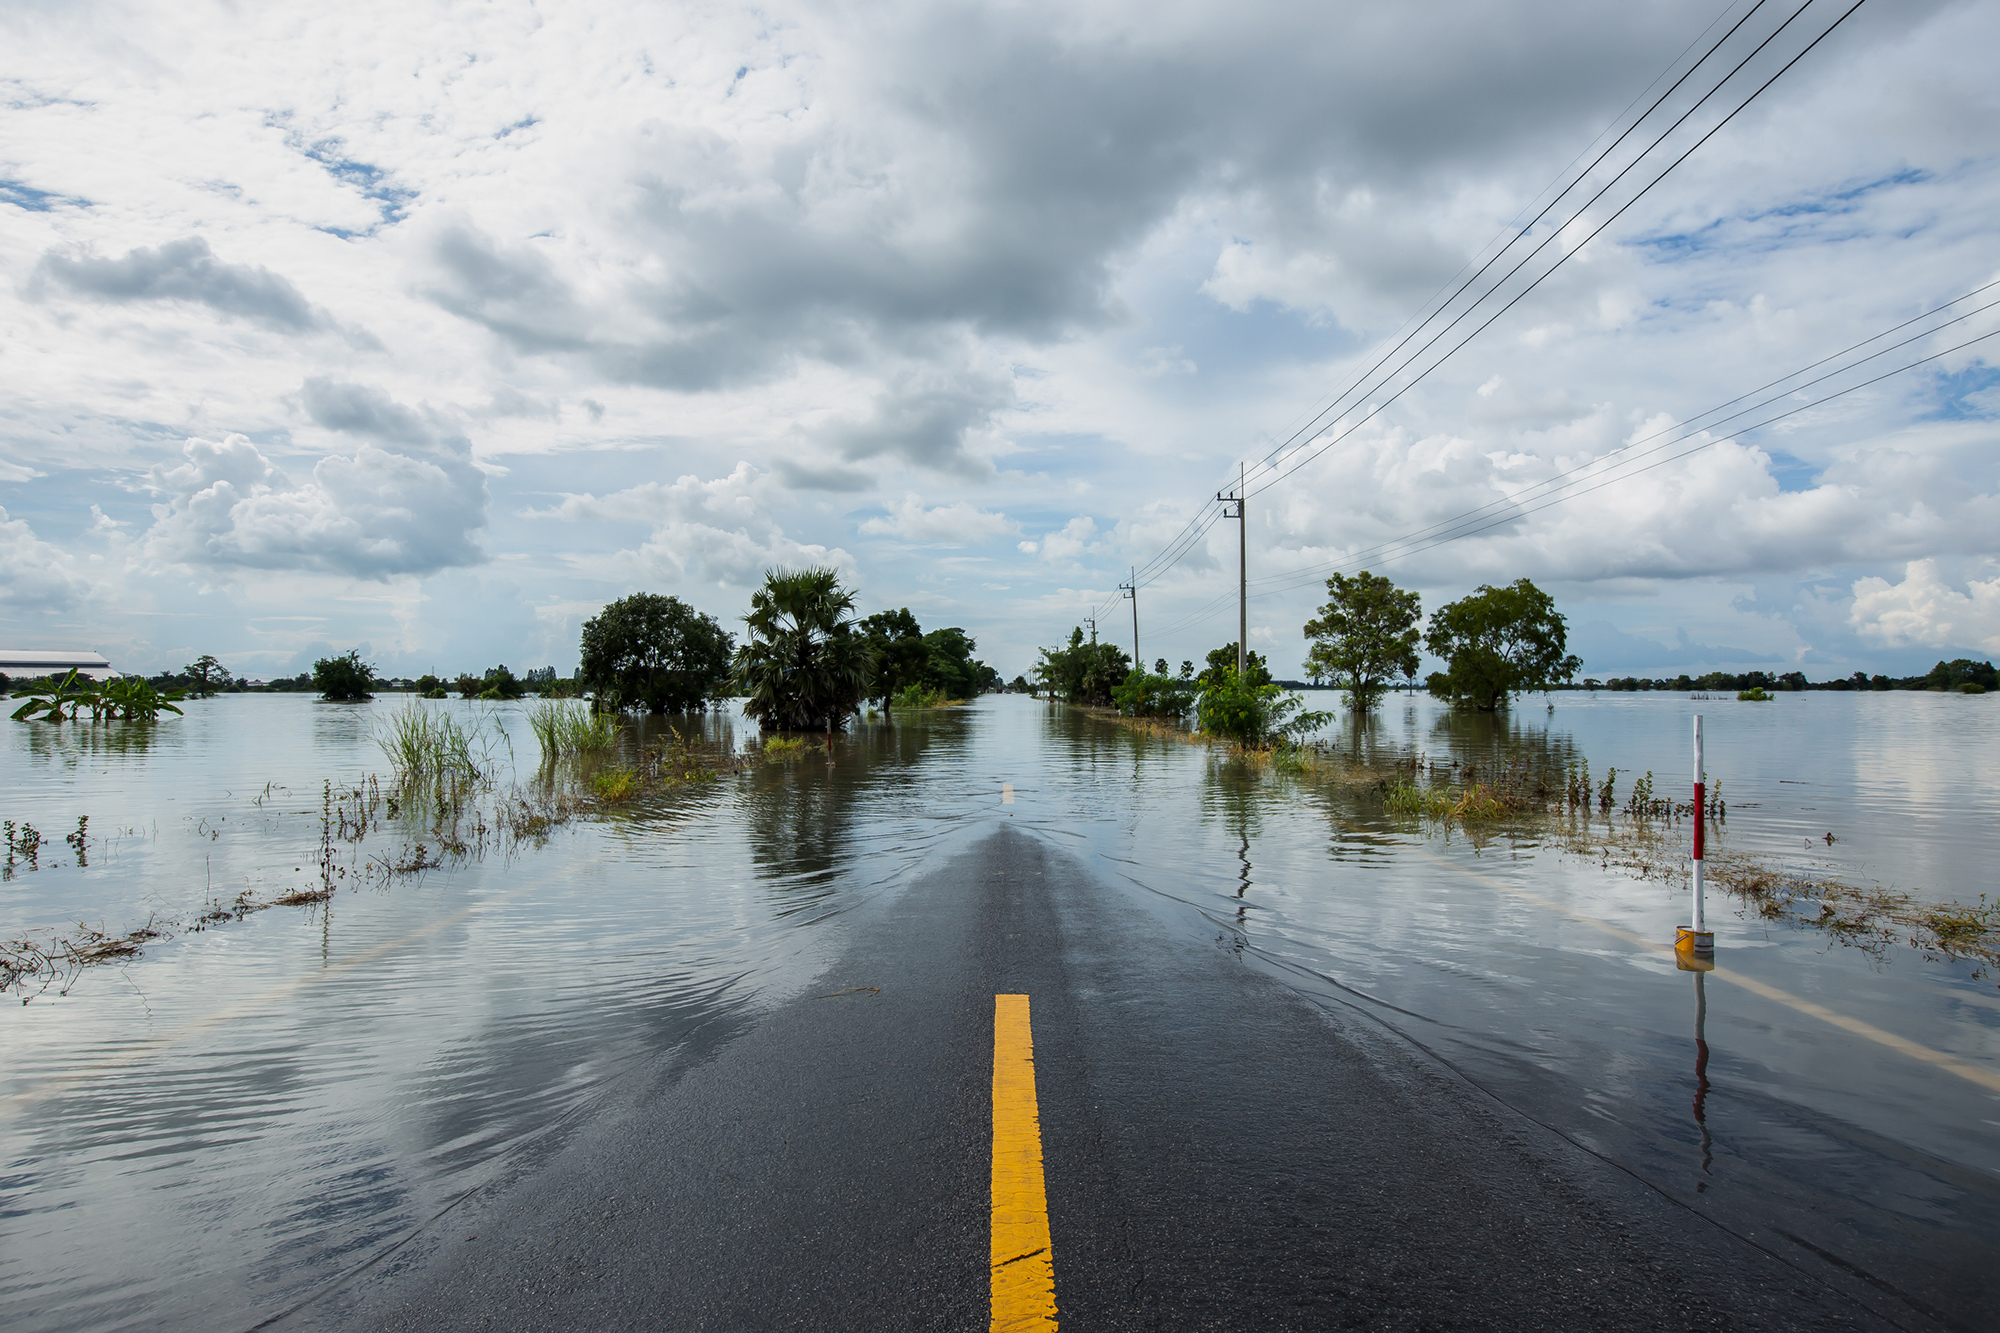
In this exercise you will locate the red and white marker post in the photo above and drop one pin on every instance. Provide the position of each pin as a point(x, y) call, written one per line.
point(1694, 944)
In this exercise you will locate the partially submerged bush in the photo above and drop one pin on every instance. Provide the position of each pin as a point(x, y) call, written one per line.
point(1156, 694)
point(1253, 715)
point(616, 785)
point(918, 696)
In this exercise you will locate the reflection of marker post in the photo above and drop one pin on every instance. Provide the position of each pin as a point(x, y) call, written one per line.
point(1694, 945)
point(1701, 1076)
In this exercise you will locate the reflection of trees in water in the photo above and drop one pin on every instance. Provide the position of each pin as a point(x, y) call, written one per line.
point(1499, 742)
point(70, 742)
point(343, 726)
point(707, 727)
point(800, 813)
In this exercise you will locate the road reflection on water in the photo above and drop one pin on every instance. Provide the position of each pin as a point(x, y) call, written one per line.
point(212, 1132)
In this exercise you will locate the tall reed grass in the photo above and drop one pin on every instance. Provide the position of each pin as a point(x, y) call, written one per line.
point(427, 744)
point(568, 728)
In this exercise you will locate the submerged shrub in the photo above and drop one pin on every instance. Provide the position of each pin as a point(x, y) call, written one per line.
point(919, 696)
point(616, 785)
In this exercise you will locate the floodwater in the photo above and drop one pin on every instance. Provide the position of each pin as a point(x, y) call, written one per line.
point(210, 1133)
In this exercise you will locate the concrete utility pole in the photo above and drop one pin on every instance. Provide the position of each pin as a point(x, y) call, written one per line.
point(1242, 575)
point(1092, 622)
point(1131, 590)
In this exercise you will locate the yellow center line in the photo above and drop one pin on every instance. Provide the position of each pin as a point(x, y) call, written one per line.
point(1023, 1264)
point(1951, 1064)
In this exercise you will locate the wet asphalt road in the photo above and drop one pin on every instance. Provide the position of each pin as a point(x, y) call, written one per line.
point(1221, 1153)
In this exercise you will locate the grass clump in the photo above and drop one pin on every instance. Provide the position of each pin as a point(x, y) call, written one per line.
point(430, 745)
point(569, 729)
point(917, 696)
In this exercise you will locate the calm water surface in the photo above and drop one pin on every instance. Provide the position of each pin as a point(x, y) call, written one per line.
point(207, 1135)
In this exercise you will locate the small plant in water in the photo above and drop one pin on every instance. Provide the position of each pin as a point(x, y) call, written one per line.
point(1754, 695)
point(616, 785)
point(24, 841)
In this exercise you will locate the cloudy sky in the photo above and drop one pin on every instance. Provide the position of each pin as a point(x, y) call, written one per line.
point(430, 328)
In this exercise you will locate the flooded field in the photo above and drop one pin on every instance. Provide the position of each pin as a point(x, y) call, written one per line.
point(210, 1131)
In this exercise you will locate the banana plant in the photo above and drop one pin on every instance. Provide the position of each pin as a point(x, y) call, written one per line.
point(134, 699)
point(63, 701)
point(130, 698)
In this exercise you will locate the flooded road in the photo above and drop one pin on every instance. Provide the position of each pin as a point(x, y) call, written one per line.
point(211, 1133)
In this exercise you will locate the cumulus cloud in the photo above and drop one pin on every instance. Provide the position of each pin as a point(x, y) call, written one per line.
point(1066, 543)
point(34, 575)
point(414, 508)
point(185, 270)
point(960, 524)
point(718, 531)
point(1924, 609)
point(1075, 256)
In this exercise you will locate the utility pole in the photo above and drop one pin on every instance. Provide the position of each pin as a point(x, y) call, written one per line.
point(1092, 622)
point(1242, 574)
point(1131, 590)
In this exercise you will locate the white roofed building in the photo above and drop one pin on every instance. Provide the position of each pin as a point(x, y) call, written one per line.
point(23, 663)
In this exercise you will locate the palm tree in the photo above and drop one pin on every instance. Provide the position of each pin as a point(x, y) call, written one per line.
point(803, 666)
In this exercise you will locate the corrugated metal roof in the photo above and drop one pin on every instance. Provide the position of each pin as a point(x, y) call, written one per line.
point(50, 659)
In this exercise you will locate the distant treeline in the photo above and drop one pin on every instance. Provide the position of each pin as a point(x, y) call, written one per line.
point(1962, 675)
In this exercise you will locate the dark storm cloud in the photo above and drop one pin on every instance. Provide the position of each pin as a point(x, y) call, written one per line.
point(801, 477)
point(514, 292)
point(925, 421)
point(186, 270)
point(359, 409)
point(985, 173)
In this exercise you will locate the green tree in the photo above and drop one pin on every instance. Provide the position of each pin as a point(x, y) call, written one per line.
point(1497, 644)
point(1083, 673)
point(205, 675)
point(500, 683)
point(949, 664)
point(1960, 672)
point(343, 678)
point(1155, 694)
point(805, 665)
point(897, 650)
point(1257, 670)
point(1364, 636)
point(656, 653)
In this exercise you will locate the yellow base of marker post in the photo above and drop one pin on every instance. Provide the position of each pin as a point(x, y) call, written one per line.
point(1694, 950)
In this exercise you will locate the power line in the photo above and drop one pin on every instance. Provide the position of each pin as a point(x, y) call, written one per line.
point(1418, 544)
point(1192, 532)
point(1401, 341)
point(1690, 423)
point(1567, 255)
